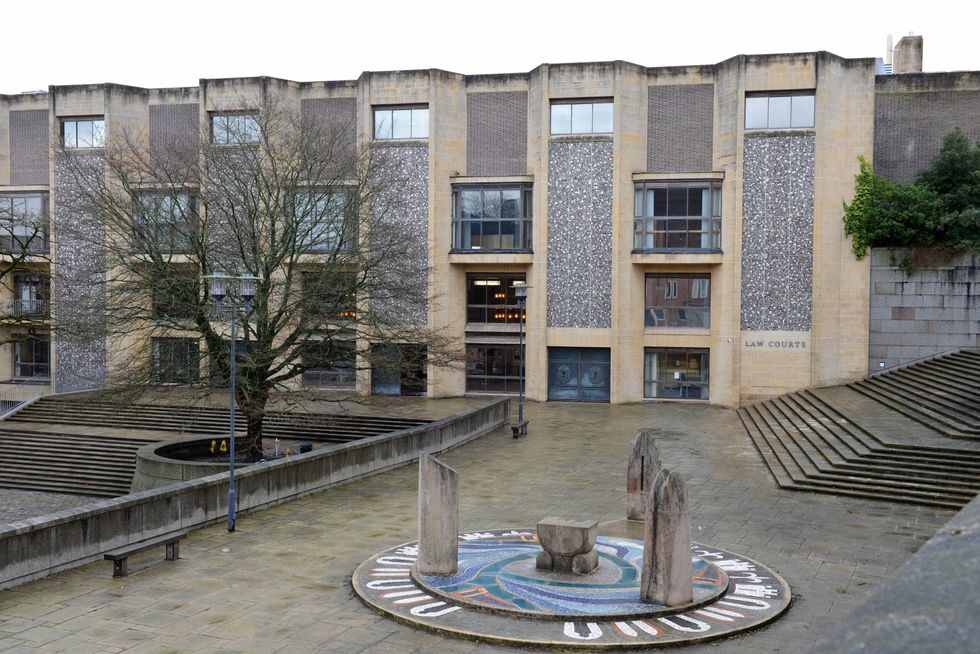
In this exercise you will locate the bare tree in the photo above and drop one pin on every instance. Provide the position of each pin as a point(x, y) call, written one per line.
point(263, 191)
point(23, 246)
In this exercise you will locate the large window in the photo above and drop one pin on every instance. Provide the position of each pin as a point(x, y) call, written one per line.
point(329, 297)
point(677, 216)
point(176, 360)
point(23, 223)
point(175, 294)
point(32, 356)
point(493, 368)
point(401, 123)
point(674, 300)
point(165, 223)
point(494, 217)
point(32, 292)
point(234, 129)
point(779, 111)
point(491, 298)
point(329, 364)
point(324, 220)
point(675, 373)
point(83, 132)
point(578, 117)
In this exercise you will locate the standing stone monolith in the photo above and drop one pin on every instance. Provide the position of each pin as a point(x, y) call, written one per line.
point(642, 469)
point(438, 517)
point(667, 577)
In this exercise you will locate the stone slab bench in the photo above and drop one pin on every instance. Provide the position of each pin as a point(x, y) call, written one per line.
point(519, 429)
point(120, 555)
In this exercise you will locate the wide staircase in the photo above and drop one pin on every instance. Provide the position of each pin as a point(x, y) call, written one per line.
point(891, 437)
point(86, 446)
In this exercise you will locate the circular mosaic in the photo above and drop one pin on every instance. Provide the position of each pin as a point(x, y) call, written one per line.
point(499, 574)
point(498, 596)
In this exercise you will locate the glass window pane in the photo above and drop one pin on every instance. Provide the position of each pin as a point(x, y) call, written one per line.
point(638, 203)
point(660, 202)
point(756, 113)
point(511, 204)
point(98, 133)
point(401, 124)
point(677, 202)
point(491, 204)
point(219, 129)
point(802, 111)
point(420, 123)
point(250, 129)
point(472, 204)
point(382, 124)
point(71, 139)
point(84, 128)
point(561, 119)
point(602, 117)
point(581, 119)
point(779, 112)
point(716, 201)
point(695, 201)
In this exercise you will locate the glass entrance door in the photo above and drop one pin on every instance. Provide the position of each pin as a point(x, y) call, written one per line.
point(578, 374)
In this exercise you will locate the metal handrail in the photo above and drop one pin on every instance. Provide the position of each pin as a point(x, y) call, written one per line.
point(13, 398)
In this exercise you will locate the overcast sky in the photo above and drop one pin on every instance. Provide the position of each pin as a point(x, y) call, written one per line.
point(177, 42)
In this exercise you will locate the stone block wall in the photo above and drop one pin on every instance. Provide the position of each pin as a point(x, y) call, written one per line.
point(933, 310)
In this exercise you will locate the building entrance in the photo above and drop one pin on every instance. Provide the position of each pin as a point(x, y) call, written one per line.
point(578, 374)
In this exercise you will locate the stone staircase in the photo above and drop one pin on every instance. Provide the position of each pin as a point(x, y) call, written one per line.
point(941, 393)
point(67, 463)
point(845, 441)
point(85, 446)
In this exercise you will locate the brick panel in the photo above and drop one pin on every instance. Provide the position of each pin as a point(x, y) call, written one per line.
point(29, 147)
point(680, 123)
point(496, 134)
point(174, 127)
point(338, 116)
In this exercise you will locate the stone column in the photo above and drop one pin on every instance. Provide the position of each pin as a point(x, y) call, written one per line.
point(438, 517)
point(642, 469)
point(666, 577)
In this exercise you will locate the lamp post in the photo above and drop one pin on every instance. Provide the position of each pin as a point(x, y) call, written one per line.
point(235, 288)
point(520, 292)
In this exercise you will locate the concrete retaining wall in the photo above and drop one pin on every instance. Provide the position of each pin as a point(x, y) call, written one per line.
point(41, 546)
point(934, 310)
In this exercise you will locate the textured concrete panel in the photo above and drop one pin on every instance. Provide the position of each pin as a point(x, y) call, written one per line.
point(931, 311)
point(174, 127)
point(29, 147)
point(580, 233)
point(338, 116)
point(406, 207)
point(79, 284)
point(496, 134)
point(679, 121)
point(777, 232)
point(909, 128)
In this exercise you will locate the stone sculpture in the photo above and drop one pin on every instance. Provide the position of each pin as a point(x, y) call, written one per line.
point(568, 546)
point(642, 469)
point(666, 577)
point(438, 517)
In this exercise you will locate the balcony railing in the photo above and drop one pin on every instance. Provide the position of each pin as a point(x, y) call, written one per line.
point(32, 370)
point(27, 309)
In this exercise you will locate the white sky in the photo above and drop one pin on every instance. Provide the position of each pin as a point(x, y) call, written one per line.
point(158, 43)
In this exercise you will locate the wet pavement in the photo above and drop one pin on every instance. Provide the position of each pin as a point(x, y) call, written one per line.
point(281, 583)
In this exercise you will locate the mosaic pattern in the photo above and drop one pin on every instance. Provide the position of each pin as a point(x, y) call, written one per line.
point(777, 232)
point(79, 284)
point(500, 573)
point(402, 203)
point(580, 233)
point(755, 595)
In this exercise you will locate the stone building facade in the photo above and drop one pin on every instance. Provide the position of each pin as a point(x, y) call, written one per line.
point(679, 228)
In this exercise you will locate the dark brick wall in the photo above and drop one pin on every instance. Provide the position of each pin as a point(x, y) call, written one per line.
point(337, 115)
point(496, 133)
point(680, 122)
point(29, 147)
point(909, 128)
point(174, 127)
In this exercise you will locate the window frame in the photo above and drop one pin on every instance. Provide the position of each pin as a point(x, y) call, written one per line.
point(573, 102)
point(345, 234)
point(39, 369)
point(769, 96)
point(523, 224)
point(390, 109)
point(653, 232)
point(191, 373)
point(75, 120)
point(244, 130)
point(658, 316)
point(10, 220)
point(511, 311)
point(480, 382)
point(313, 377)
point(684, 386)
point(144, 219)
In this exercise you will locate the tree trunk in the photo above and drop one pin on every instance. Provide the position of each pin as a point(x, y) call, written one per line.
point(254, 409)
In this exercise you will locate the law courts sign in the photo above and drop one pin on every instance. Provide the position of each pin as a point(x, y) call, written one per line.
point(784, 341)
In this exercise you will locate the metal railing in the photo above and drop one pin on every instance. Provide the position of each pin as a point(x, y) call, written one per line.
point(29, 308)
point(15, 394)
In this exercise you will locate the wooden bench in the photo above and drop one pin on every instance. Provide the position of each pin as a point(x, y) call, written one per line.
point(120, 555)
point(519, 429)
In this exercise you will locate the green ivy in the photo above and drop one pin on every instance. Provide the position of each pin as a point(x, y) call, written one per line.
point(941, 209)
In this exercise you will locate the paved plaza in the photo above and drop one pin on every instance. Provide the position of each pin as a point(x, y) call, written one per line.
point(281, 583)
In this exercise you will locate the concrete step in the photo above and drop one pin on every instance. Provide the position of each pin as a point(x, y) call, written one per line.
point(931, 419)
point(919, 395)
point(936, 384)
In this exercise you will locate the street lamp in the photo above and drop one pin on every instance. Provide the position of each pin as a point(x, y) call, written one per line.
point(235, 288)
point(520, 292)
